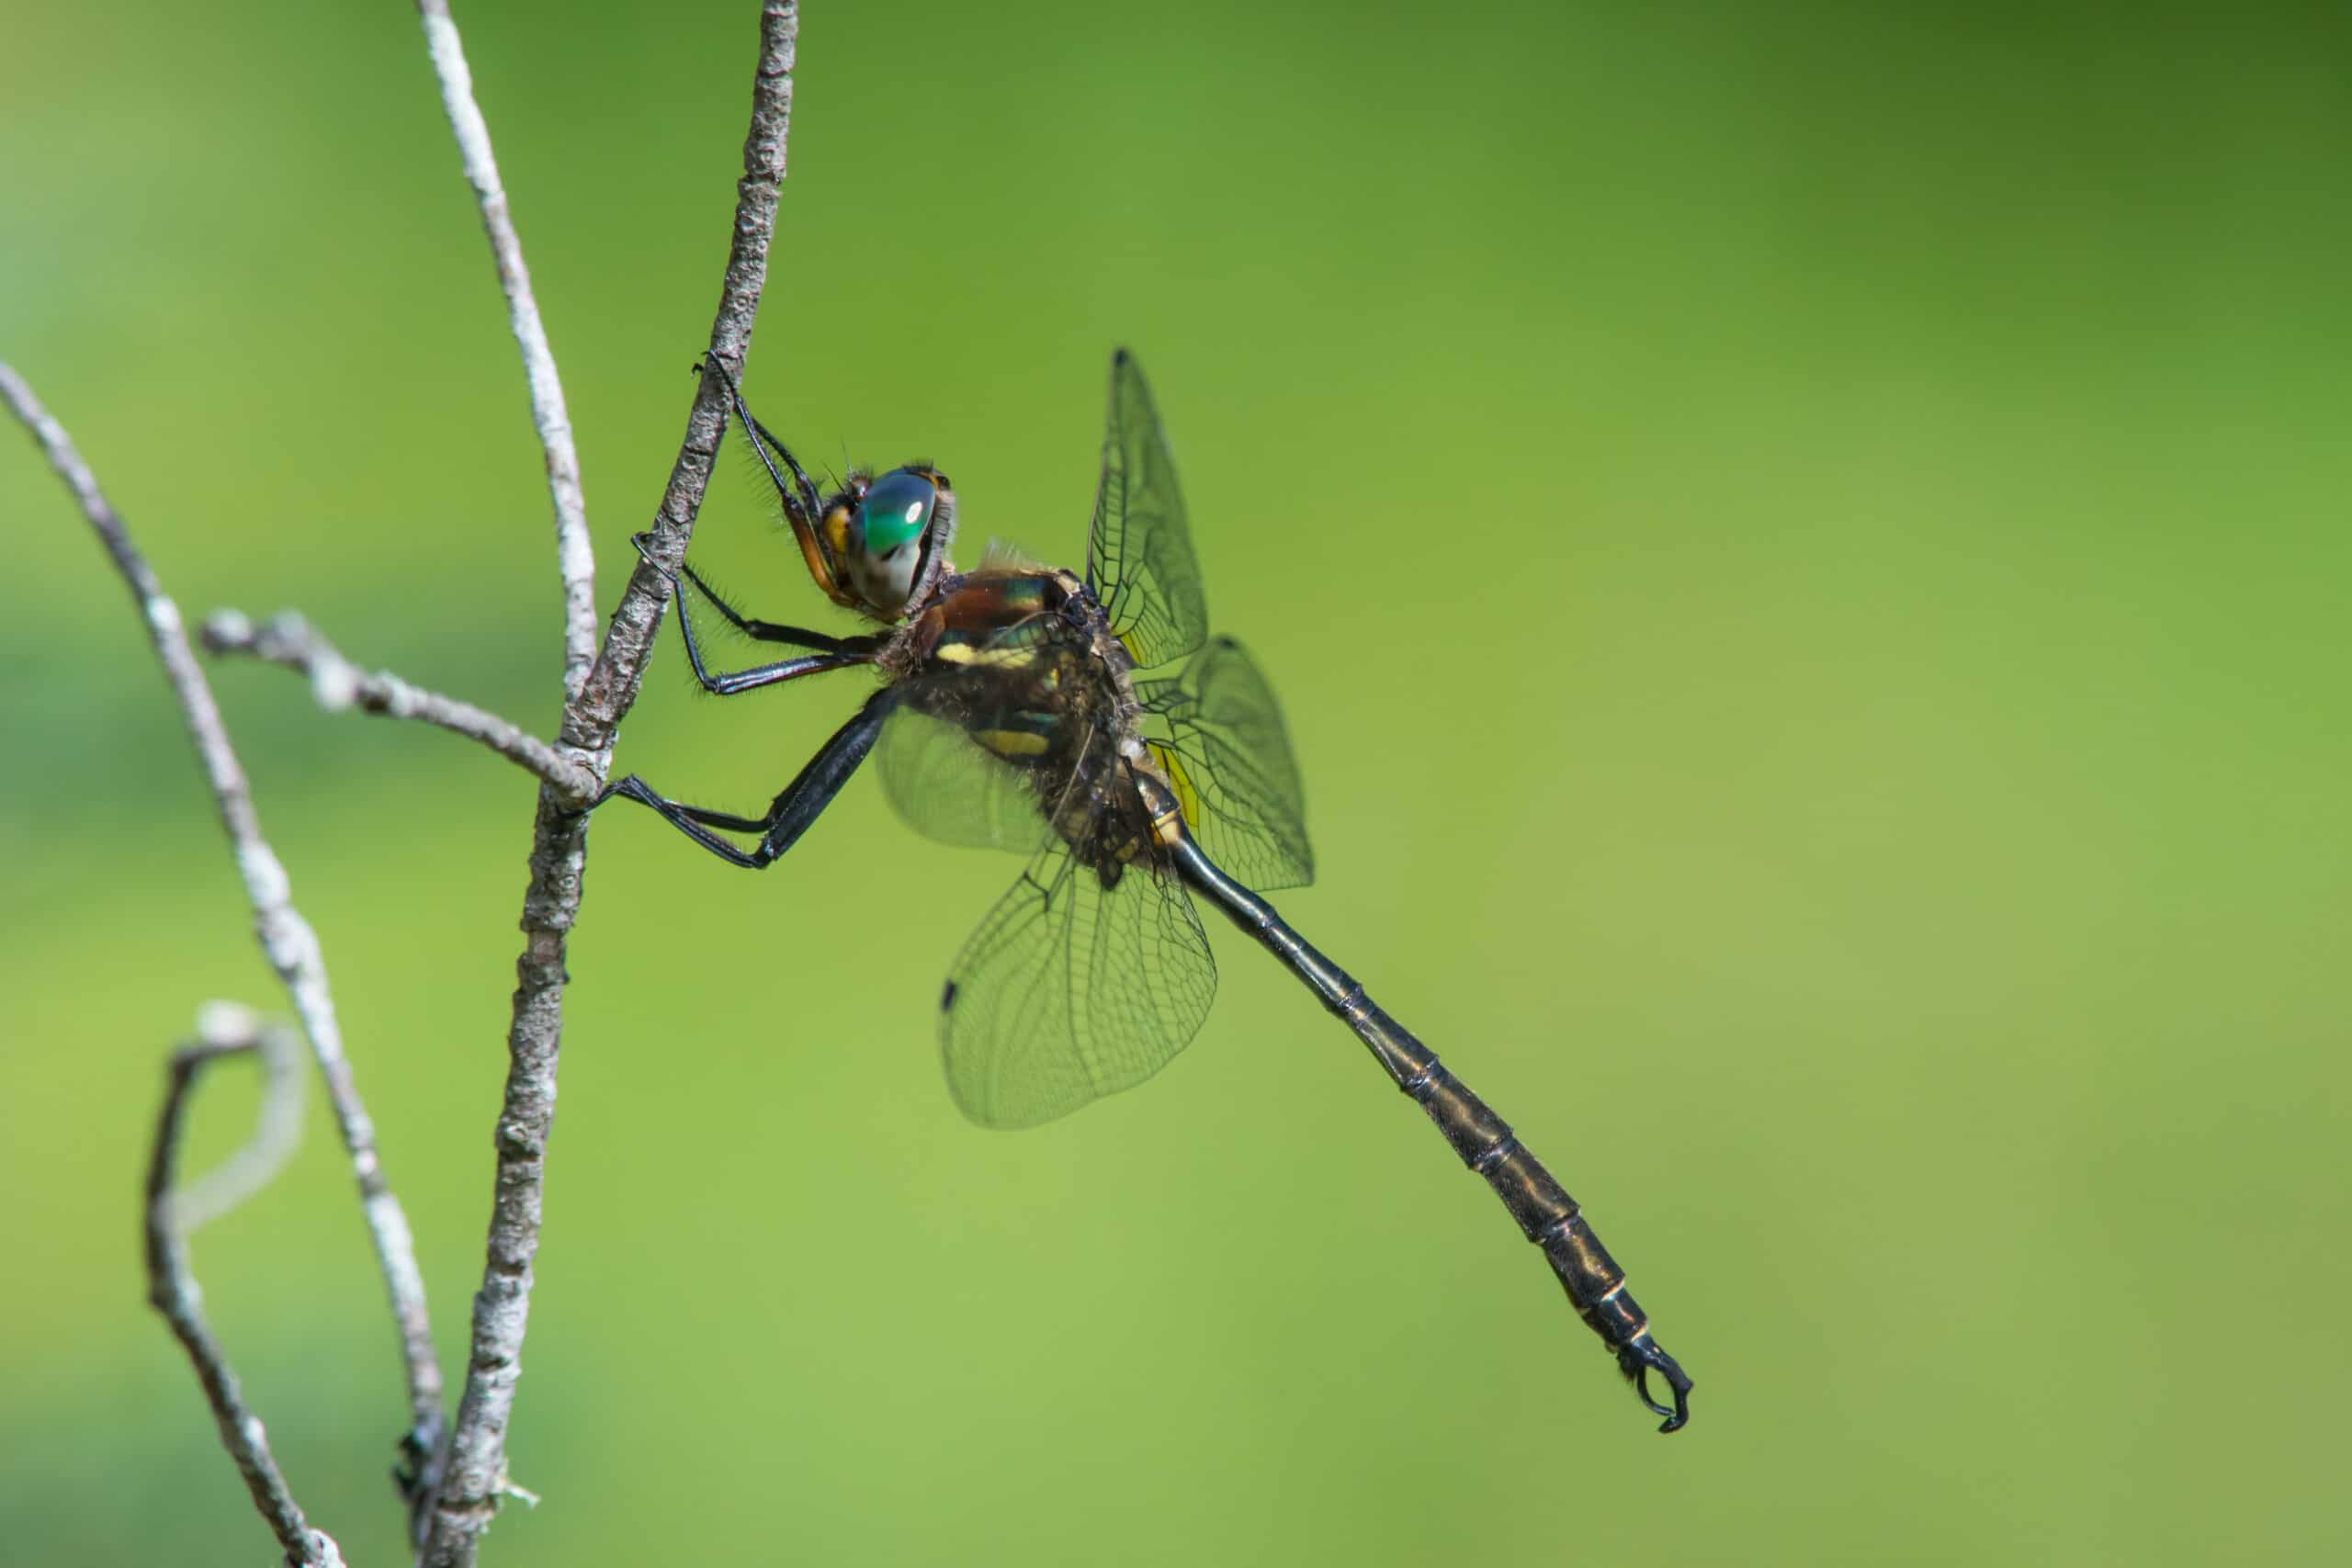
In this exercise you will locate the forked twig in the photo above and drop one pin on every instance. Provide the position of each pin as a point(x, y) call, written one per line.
point(474, 1476)
point(223, 1031)
point(457, 1490)
point(287, 939)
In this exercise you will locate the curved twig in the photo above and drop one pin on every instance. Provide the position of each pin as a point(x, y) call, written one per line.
point(287, 939)
point(474, 1476)
point(171, 1283)
point(576, 558)
point(277, 1126)
point(293, 642)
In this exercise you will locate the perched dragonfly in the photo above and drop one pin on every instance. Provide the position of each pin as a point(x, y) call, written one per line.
point(1092, 723)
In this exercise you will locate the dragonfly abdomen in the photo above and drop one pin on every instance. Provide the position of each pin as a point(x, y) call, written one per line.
point(1545, 1212)
point(1484, 1142)
point(1547, 1217)
point(1480, 1138)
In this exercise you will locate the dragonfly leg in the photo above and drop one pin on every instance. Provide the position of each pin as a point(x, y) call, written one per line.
point(730, 682)
point(770, 631)
point(831, 652)
point(800, 496)
point(801, 491)
point(791, 814)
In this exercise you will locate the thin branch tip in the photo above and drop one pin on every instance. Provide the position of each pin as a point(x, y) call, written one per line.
point(575, 553)
point(289, 641)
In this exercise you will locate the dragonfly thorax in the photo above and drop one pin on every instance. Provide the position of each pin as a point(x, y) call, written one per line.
point(1024, 662)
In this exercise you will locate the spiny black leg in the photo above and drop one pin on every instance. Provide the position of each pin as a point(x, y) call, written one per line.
point(834, 652)
point(734, 681)
point(791, 814)
point(636, 789)
point(842, 654)
point(763, 631)
point(770, 631)
point(803, 499)
point(766, 438)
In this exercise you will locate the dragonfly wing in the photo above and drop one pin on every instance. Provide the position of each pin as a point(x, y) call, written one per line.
point(947, 786)
point(1217, 733)
point(1140, 559)
point(1070, 991)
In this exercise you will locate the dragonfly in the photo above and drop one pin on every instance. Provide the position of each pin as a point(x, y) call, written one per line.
point(1091, 723)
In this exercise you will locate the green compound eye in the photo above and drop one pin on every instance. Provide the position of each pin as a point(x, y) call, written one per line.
point(897, 509)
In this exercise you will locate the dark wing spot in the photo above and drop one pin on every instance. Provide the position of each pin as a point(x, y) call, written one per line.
point(947, 997)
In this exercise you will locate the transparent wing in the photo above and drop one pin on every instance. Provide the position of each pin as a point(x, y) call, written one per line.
point(947, 786)
point(1139, 553)
point(1070, 991)
point(1217, 733)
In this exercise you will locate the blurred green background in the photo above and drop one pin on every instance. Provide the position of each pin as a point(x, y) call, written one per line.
point(1804, 550)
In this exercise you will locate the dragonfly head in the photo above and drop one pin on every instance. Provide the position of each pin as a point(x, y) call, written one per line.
point(880, 544)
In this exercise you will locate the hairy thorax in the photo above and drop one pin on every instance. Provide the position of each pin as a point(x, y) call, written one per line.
point(1024, 662)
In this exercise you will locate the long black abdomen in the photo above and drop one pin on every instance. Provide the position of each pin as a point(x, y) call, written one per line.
point(1545, 1212)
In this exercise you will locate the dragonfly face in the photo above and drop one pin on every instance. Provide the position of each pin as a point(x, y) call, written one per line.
point(875, 546)
point(881, 545)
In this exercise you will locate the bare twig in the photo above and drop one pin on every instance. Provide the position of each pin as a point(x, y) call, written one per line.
point(171, 1284)
point(474, 1475)
point(575, 559)
point(287, 939)
point(338, 683)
